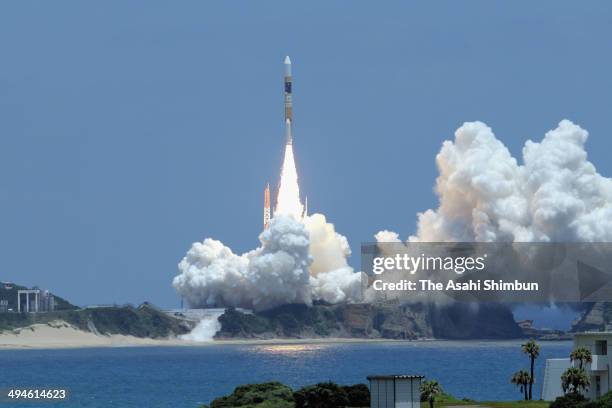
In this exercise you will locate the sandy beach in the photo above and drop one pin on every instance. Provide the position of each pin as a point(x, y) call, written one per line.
point(59, 334)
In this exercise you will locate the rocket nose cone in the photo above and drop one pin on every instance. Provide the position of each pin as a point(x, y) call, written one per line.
point(287, 60)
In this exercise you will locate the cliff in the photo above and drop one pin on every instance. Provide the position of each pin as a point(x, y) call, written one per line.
point(596, 317)
point(381, 320)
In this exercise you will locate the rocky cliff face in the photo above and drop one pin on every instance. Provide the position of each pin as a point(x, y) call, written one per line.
point(461, 321)
point(381, 320)
point(597, 316)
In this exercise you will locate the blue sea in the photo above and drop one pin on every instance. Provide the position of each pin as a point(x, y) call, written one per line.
point(137, 377)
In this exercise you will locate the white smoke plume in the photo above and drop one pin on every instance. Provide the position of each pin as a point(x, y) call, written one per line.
point(332, 279)
point(206, 329)
point(297, 262)
point(485, 195)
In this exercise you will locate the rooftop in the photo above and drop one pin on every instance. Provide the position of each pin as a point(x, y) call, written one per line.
point(594, 333)
point(394, 377)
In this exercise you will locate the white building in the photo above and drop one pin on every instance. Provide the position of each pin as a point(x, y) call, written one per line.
point(395, 391)
point(600, 345)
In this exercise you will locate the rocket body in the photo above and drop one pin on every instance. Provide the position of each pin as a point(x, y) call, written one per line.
point(288, 101)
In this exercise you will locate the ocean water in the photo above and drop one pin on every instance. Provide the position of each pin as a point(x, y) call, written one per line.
point(137, 377)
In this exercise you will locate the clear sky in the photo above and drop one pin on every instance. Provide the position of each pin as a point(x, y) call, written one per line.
point(128, 130)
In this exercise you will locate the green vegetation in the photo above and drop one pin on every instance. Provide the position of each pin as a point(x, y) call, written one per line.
point(429, 391)
point(572, 400)
point(358, 395)
point(277, 395)
point(495, 404)
point(446, 399)
point(532, 349)
point(266, 395)
point(321, 395)
point(515, 404)
point(238, 324)
point(143, 321)
point(606, 400)
point(575, 380)
point(283, 321)
point(331, 395)
point(521, 379)
point(575, 400)
point(582, 355)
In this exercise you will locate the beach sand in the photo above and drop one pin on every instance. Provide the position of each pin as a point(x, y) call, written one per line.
point(59, 334)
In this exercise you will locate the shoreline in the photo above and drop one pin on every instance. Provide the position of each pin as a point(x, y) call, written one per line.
point(61, 335)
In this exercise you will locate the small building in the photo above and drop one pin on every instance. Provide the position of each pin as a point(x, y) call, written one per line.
point(600, 345)
point(395, 391)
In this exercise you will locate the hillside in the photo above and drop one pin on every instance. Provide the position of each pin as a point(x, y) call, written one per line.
point(11, 296)
point(389, 321)
point(143, 321)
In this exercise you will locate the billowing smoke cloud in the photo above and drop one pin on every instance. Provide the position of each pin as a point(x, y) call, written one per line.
point(332, 279)
point(486, 195)
point(297, 262)
point(556, 195)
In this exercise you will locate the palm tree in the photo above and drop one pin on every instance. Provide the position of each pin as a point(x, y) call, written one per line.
point(532, 349)
point(521, 379)
point(582, 355)
point(429, 390)
point(575, 380)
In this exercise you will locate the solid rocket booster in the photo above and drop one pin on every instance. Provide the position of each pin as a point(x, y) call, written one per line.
point(288, 102)
point(266, 213)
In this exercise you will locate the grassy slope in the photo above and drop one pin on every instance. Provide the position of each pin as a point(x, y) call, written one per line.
point(449, 401)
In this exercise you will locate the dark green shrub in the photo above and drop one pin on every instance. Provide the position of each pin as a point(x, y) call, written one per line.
point(571, 400)
point(589, 404)
point(270, 394)
point(605, 401)
point(358, 395)
point(321, 395)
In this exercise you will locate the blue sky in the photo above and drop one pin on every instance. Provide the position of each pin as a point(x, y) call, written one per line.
point(128, 130)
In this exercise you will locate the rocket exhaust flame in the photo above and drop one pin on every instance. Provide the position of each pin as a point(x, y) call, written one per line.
point(288, 201)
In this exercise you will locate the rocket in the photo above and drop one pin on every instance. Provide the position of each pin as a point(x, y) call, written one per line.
point(267, 210)
point(266, 213)
point(288, 102)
